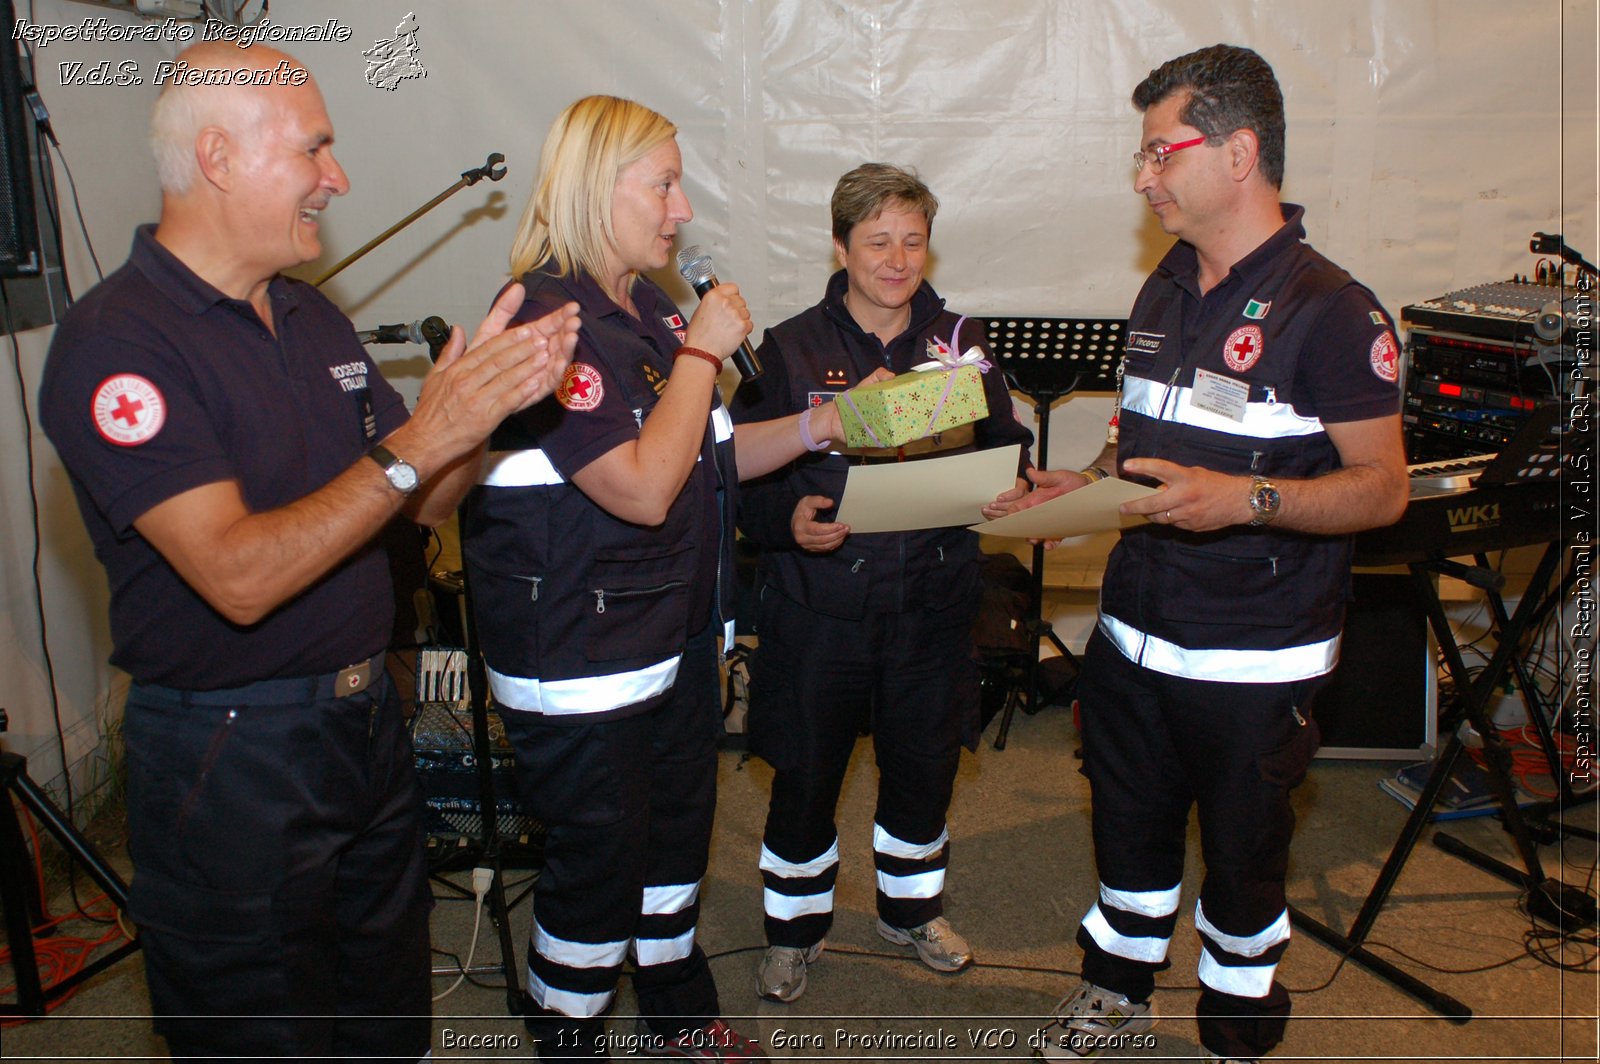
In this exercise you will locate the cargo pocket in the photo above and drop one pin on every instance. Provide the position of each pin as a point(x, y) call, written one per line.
point(505, 610)
point(1244, 591)
point(1285, 765)
point(638, 608)
point(200, 914)
point(218, 952)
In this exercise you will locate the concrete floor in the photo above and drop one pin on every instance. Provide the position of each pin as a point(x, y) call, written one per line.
point(1021, 876)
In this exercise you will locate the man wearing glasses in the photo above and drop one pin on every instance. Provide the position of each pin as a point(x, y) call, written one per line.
point(1259, 394)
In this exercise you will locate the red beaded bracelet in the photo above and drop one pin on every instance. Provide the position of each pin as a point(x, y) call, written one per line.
point(697, 353)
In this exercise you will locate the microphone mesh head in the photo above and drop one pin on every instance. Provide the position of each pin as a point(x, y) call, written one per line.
point(695, 265)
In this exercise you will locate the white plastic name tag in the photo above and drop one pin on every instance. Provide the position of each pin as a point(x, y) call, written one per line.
point(1216, 394)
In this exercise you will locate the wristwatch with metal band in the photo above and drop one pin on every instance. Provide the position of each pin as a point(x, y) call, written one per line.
point(1264, 500)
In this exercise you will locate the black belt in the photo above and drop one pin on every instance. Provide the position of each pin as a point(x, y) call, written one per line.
point(350, 680)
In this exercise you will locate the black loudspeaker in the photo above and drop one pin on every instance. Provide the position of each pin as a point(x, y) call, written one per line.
point(1380, 701)
point(19, 226)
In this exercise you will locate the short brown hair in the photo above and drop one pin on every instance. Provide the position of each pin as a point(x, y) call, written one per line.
point(864, 192)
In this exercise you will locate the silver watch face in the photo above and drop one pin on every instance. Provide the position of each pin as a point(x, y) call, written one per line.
point(402, 475)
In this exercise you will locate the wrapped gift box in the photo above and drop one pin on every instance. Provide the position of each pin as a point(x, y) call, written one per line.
point(895, 412)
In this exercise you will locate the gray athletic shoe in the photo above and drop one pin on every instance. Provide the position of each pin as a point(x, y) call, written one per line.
point(938, 945)
point(1091, 1019)
point(782, 975)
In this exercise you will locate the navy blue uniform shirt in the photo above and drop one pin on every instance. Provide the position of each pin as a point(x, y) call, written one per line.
point(157, 383)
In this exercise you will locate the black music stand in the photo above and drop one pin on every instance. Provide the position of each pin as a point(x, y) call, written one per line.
point(1525, 460)
point(1047, 359)
point(20, 896)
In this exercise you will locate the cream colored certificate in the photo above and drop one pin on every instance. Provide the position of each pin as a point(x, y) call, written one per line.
point(1092, 508)
point(926, 493)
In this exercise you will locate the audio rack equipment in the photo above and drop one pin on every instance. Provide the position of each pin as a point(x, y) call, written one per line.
point(1482, 360)
point(1500, 310)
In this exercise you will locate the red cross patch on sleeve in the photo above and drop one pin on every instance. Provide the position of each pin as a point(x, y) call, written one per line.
point(581, 388)
point(128, 410)
point(1385, 357)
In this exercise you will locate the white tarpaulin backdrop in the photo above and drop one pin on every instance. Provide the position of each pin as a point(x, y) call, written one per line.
point(1427, 140)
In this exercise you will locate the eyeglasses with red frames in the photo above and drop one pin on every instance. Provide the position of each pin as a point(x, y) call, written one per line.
point(1156, 158)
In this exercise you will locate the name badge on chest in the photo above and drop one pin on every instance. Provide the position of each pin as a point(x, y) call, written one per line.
point(1216, 394)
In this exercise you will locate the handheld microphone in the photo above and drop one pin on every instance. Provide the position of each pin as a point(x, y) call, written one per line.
point(695, 266)
point(394, 334)
point(435, 333)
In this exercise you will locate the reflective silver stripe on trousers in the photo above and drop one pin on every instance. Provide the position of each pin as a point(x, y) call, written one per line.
point(887, 844)
point(586, 694)
point(921, 885)
point(663, 901)
point(1227, 666)
point(518, 469)
point(567, 1002)
point(771, 862)
point(1248, 981)
point(647, 951)
point(1240, 980)
point(1149, 950)
point(1247, 945)
point(570, 954)
point(791, 906)
point(1272, 421)
point(1151, 903)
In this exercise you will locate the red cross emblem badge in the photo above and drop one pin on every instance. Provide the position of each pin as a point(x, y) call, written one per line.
point(580, 388)
point(1243, 348)
point(1385, 357)
point(128, 410)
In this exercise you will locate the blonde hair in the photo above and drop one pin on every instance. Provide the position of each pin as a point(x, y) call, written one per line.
point(568, 218)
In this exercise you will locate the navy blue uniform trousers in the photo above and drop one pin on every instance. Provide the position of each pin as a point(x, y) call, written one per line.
point(628, 805)
point(280, 881)
point(1154, 747)
point(816, 680)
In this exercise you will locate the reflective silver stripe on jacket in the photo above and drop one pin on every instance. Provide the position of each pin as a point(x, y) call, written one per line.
point(1228, 666)
point(1265, 421)
point(518, 469)
point(583, 694)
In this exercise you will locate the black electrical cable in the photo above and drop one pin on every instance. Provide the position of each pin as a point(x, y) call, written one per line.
point(38, 588)
point(83, 224)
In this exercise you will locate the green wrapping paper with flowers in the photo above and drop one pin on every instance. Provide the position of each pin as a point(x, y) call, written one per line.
point(936, 395)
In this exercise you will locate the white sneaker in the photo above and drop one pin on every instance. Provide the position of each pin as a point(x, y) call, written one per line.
point(937, 943)
point(1091, 1019)
point(782, 974)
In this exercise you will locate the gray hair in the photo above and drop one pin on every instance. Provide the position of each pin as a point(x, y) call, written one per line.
point(183, 110)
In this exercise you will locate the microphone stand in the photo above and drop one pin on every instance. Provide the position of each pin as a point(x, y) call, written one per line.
point(436, 333)
point(490, 852)
point(1554, 244)
point(490, 169)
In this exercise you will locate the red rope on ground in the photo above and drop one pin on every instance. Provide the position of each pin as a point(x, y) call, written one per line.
point(60, 957)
